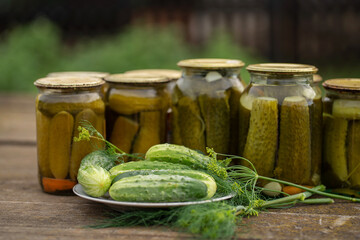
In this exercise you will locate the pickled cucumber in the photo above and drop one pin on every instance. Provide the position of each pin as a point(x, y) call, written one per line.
point(149, 133)
point(52, 108)
point(345, 108)
point(42, 135)
point(234, 101)
point(82, 148)
point(294, 156)
point(335, 149)
point(176, 136)
point(260, 147)
point(133, 104)
point(216, 114)
point(191, 125)
point(244, 119)
point(316, 139)
point(353, 153)
point(123, 133)
point(60, 136)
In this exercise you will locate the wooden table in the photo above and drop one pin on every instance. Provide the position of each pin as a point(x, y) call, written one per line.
point(28, 213)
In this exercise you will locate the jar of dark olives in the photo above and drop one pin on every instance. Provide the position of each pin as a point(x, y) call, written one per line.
point(341, 144)
point(205, 104)
point(61, 105)
point(278, 124)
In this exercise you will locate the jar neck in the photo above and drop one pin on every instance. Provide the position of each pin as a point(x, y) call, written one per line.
point(199, 72)
point(342, 94)
point(280, 79)
point(69, 90)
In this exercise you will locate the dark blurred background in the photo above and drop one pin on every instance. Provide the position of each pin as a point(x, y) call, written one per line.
point(39, 36)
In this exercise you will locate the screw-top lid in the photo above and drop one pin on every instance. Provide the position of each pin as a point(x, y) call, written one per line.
point(78, 74)
point(343, 84)
point(136, 79)
point(282, 68)
point(317, 78)
point(210, 63)
point(171, 74)
point(68, 82)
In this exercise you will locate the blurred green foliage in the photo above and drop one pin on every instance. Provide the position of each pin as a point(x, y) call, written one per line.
point(30, 52)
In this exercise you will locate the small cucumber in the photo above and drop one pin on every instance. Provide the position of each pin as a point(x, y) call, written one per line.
point(158, 188)
point(205, 178)
point(177, 154)
point(144, 165)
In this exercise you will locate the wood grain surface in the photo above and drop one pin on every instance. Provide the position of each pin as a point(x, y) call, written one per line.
point(28, 213)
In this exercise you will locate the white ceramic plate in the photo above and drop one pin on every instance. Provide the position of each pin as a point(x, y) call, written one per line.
point(123, 206)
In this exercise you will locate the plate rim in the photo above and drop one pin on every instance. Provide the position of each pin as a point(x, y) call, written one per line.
point(77, 189)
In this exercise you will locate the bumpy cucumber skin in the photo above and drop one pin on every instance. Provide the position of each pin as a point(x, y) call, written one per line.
point(234, 102)
point(294, 155)
point(201, 176)
point(260, 147)
point(158, 188)
point(99, 158)
point(60, 136)
point(335, 151)
point(123, 133)
point(80, 149)
point(150, 131)
point(42, 136)
point(190, 122)
point(353, 153)
point(144, 165)
point(215, 111)
point(177, 154)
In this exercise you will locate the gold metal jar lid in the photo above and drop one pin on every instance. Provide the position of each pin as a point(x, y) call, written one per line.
point(343, 84)
point(169, 73)
point(78, 74)
point(210, 63)
point(282, 68)
point(317, 78)
point(136, 79)
point(68, 82)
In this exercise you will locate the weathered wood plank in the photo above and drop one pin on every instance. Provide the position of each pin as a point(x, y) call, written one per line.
point(17, 119)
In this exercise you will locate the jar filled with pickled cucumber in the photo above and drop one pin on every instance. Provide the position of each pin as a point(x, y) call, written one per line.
point(205, 104)
point(341, 144)
point(136, 109)
point(61, 105)
point(279, 127)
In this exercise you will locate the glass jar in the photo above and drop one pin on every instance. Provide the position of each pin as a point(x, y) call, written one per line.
point(205, 104)
point(277, 126)
point(136, 109)
point(341, 148)
point(62, 103)
point(100, 75)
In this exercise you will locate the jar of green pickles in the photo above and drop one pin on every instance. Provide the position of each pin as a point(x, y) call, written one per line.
point(136, 108)
point(341, 145)
point(62, 103)
point(205, 104)
point(278, 126)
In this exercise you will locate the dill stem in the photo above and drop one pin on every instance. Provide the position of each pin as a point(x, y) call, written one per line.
point(318, 201)
point(312, 190)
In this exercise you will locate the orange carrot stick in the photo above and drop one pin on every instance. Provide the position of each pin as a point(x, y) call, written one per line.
point(294, 190)
point(52, 185)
